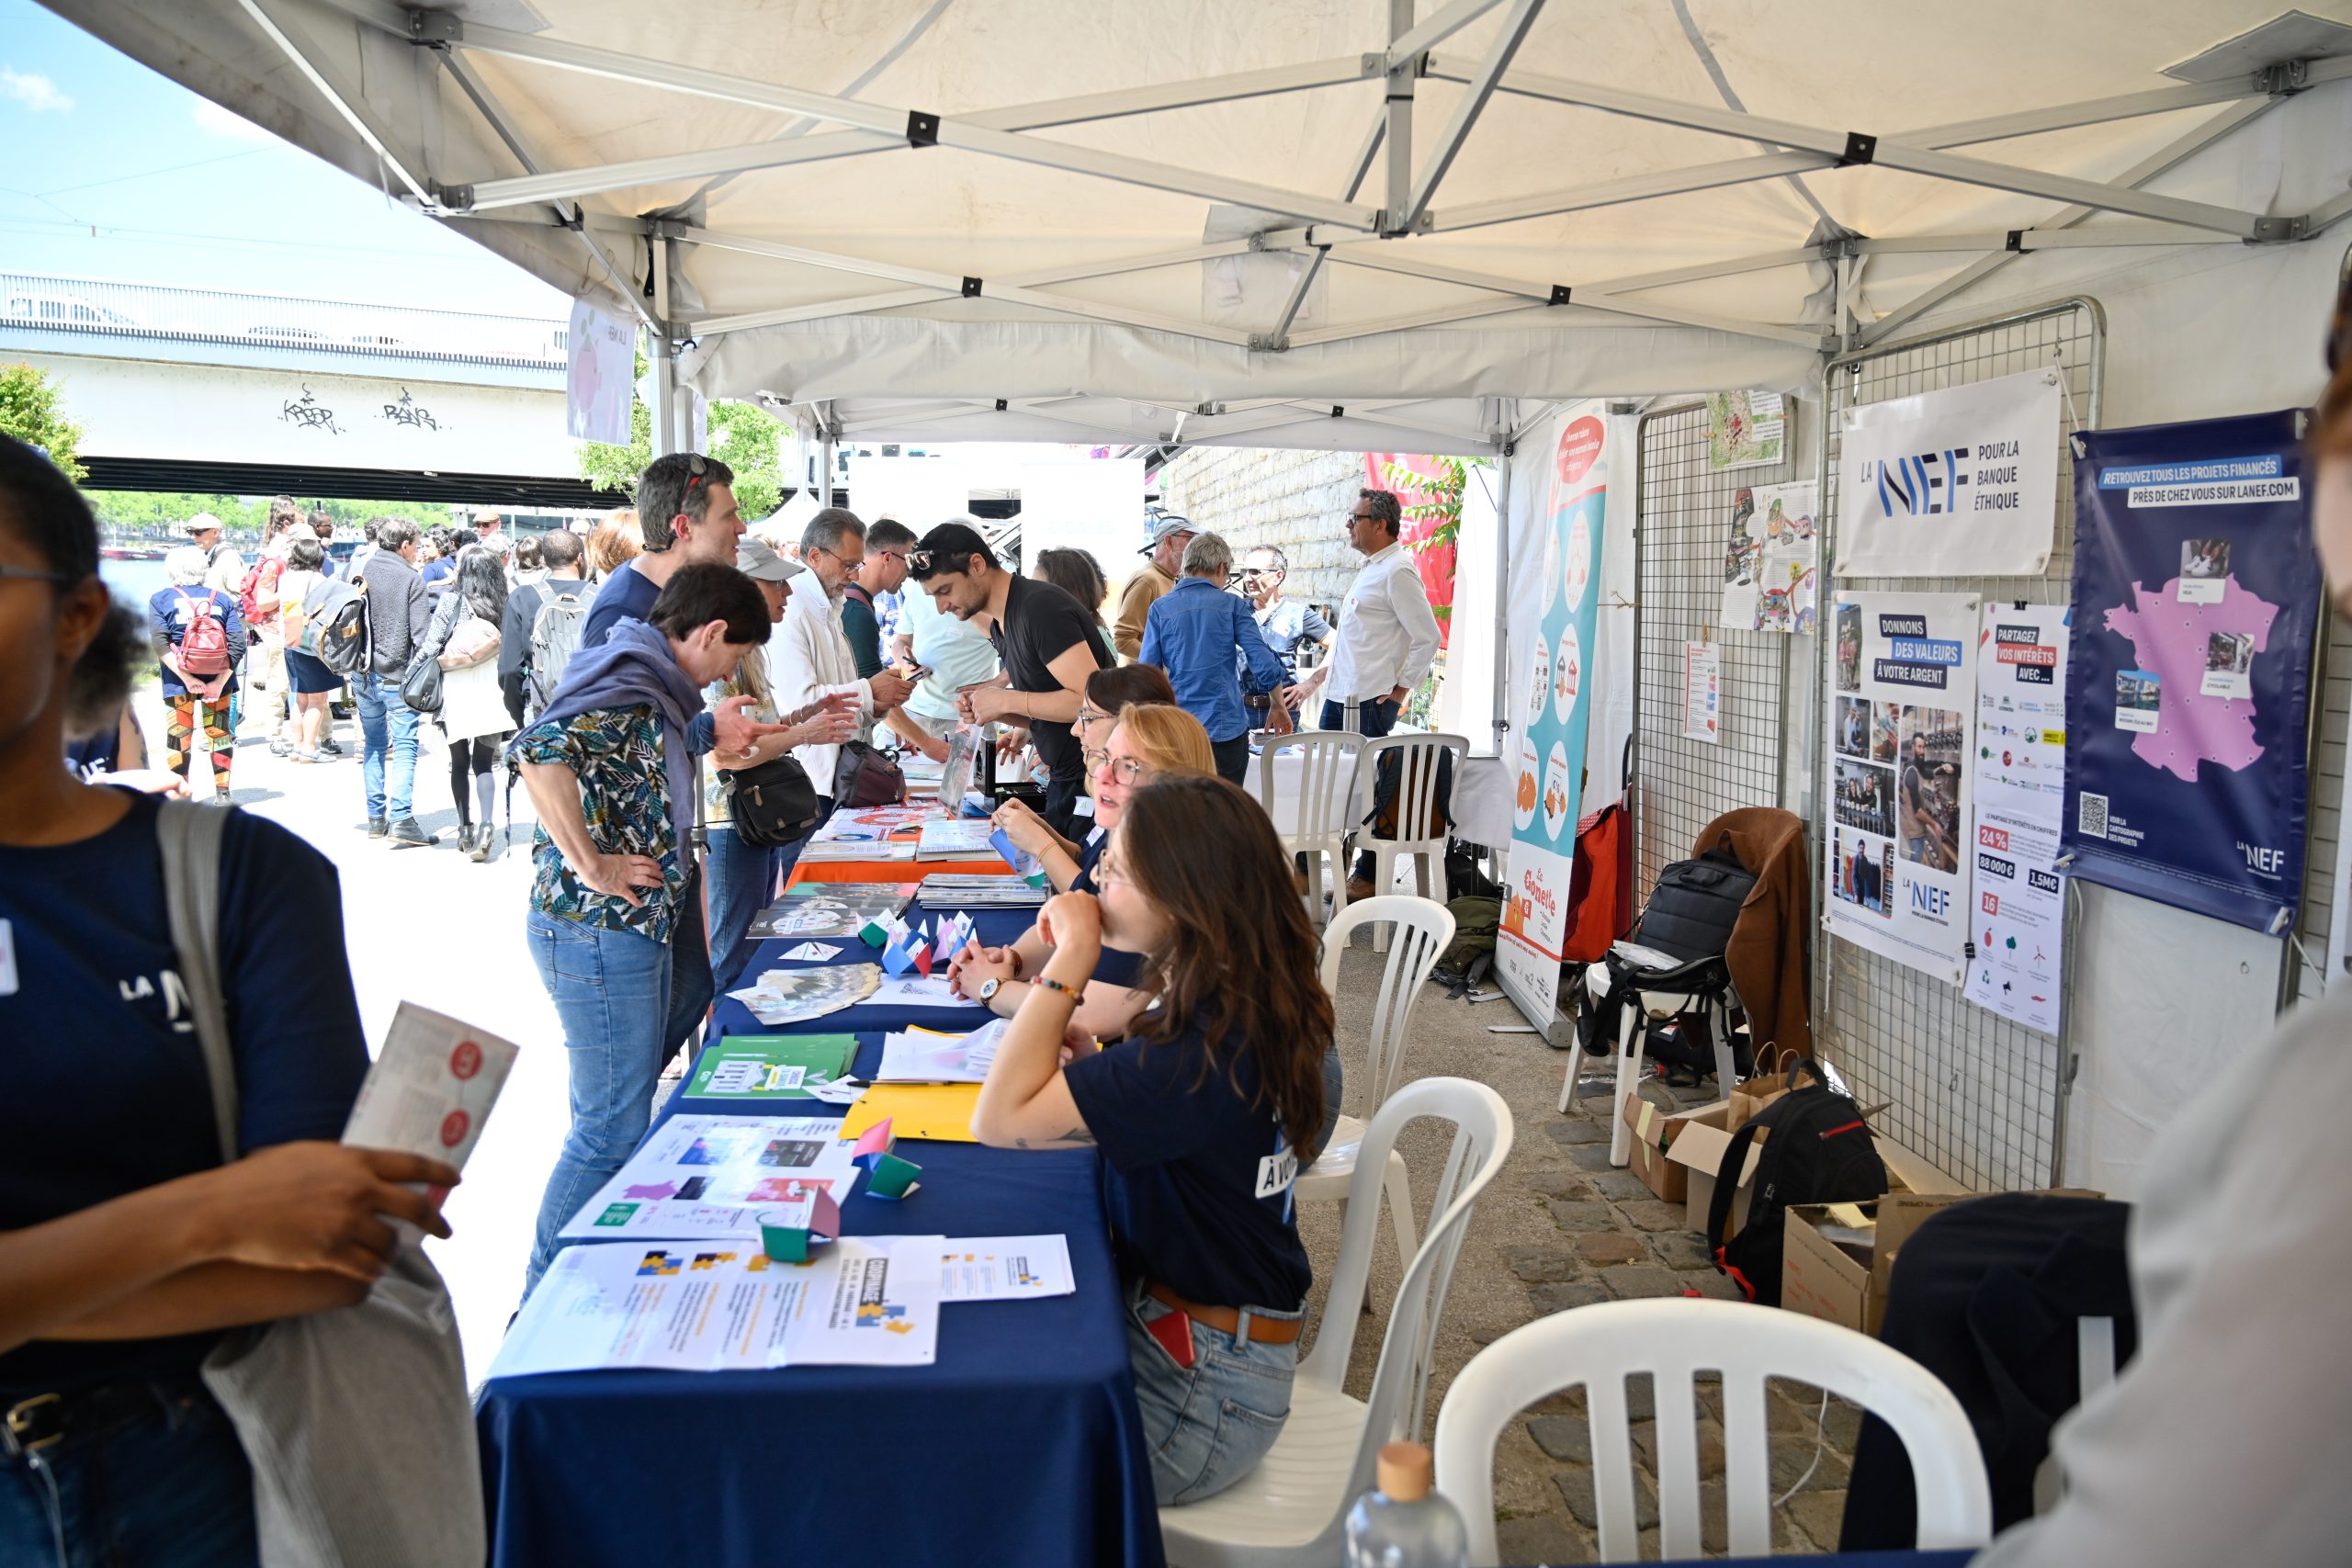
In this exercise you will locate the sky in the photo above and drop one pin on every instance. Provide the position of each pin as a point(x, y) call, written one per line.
point(114, 172)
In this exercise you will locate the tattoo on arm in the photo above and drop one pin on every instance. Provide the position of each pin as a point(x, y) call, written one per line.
point(1077, 1137)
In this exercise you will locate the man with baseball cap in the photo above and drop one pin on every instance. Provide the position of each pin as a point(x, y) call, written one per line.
point(1169, 534)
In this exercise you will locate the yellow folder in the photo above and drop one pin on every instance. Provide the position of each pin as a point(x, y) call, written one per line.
point(941, 1112)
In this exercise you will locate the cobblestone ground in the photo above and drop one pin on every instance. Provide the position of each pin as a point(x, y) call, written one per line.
point(1558, 1230)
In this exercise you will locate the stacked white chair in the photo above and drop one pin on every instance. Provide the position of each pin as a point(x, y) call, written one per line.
point(1673, 1341)
point(1288, 1512)
point(1425, 930)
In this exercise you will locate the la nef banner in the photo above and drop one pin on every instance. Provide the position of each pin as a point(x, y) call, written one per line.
point(1904, 670)
point(2196, 603)
point(1553, 622)
point(1958, 483)
point(2020, 793)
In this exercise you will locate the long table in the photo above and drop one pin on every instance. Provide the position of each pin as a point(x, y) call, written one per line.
point(1021, 1443)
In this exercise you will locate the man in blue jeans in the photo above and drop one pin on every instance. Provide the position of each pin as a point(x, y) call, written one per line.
point(1208, 642)
point(611, 771)
point(397, 615)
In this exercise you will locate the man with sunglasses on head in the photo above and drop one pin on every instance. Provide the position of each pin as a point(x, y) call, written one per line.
point(1284, 623)
point(1048, 642)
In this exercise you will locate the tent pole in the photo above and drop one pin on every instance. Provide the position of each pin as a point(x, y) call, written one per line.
point(662, 359)
point(1399, 124)
point(1504, 447)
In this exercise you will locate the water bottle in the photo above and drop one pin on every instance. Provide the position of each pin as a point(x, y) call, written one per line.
point(1405, 1524)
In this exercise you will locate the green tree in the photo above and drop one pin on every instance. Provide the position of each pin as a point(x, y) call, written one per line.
point(31, 411)
point(744, 436)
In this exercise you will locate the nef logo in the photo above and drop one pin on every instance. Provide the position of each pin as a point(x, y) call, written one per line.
point(1932, 901)
point(1923, 486)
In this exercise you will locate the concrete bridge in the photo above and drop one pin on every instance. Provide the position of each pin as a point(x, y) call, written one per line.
point(246, 394)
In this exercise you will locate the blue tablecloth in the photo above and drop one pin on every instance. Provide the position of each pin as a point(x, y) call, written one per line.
point(994, 928)
point(1954, 1558)
point(1021, 1443)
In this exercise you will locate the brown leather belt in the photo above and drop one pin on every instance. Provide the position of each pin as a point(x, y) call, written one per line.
point(1226, 1320)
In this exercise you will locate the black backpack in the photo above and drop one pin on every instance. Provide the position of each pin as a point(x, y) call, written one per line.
point(1695, 904)
point(1820, 1151)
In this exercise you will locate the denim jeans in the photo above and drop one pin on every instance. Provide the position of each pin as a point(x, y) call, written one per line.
point(1232, 758)
point(386, 724)
point(611, 991)
point(1375, 717)
point(742, 883)
point(1208, 1425)
point(171, 1487)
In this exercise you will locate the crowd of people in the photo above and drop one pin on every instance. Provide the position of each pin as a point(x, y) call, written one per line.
point(626, 679)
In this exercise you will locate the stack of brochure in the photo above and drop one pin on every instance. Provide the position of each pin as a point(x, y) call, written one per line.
point(956, 837)
point(941, 890)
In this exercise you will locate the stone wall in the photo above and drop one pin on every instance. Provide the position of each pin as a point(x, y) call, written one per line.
point(1257, 495)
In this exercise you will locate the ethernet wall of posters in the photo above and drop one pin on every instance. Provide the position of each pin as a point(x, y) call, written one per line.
point(1551, 622)
point(1900, 729)
point(2021, 796)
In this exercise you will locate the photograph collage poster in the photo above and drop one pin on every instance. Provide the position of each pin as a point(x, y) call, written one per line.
point(1901, 726)
point(2021, 796)
point(1552, 620)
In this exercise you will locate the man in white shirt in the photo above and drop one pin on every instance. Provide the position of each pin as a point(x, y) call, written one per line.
point(1388, 641)
point(810, 656)
point(1387, 634)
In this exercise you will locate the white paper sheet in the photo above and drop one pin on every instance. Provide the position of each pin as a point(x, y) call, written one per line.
point(709, 1176)
point(1005, 1269)
point(431, 1088)
point(870, 1300)
point(812, 952)
point(922, 1055)
point(918, 990)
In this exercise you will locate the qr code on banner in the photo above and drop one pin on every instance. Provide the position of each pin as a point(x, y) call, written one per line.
point(2090, 817)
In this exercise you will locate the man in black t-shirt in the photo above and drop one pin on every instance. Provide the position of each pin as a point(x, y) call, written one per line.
point(1046, 638)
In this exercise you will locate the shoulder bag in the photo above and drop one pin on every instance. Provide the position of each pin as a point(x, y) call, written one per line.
point(776, 803)
point(863, 776)
point(356, 1419)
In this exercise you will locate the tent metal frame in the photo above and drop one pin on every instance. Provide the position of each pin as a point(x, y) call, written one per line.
point(1342, 229)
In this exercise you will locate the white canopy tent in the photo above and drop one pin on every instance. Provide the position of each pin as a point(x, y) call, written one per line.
point(1373, 224)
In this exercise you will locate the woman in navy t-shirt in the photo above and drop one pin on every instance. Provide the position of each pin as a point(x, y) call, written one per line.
point(1200, 1112)
point(126, 1247)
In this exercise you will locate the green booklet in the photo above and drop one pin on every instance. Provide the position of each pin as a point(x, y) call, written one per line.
point(771, 1067)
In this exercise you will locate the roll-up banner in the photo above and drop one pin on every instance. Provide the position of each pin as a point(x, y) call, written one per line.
point(1962, 482)
point(1552, 625)
point(2196, 600)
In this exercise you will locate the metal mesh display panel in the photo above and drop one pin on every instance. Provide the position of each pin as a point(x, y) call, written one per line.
point(1680, 528)
point(1974, 1093)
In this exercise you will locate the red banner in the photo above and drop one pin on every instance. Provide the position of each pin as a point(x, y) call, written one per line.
point(1435, 562)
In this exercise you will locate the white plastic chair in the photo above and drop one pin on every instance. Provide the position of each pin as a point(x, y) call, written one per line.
point(1710, 993)
point(1314, 820)
point(1426, 928)
point(1673, 1341)
point(1288, 1512)
point(1417, 771)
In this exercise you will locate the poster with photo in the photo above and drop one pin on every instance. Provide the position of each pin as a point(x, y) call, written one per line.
point(1904, 670)
point(1553, 622)
point(1771, 559)
point(1746, 430)
point(2019, 792)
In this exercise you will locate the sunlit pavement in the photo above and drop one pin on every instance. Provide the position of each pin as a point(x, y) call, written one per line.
point(429, 926)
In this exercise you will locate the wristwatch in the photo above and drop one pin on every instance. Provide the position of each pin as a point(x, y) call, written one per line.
point(988, 988)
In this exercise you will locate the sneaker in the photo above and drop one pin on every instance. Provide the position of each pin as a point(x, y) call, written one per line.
point(279, 748)
point(377, 826)
point(220, 797)
point(405, 832)
point(328, 746)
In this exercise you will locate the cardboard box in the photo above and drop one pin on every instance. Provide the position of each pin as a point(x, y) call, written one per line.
point(1698, 1151)
point(1655, 1132)
point(1822, 1278)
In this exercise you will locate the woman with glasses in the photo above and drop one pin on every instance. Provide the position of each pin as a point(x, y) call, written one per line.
point(1150, 740)
point(1109, 694)
point(1201, 1109)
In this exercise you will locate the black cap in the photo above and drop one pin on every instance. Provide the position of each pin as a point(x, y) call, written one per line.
point(952, 546)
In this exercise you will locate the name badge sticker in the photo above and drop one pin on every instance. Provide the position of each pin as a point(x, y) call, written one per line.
point(1276, 1172)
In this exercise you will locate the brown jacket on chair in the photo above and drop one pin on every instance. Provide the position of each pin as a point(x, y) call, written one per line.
point(1768, 952)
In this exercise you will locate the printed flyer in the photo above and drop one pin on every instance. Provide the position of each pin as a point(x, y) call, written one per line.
point(1554, 623)
point(1904, 672)
point(1772, 559)
point(2021, 796)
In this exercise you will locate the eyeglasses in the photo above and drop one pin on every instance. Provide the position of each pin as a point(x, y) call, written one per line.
point(918, 561)
point(1361, 517)
point(1108, 869)
point(1126, 769)
point(31, 576)
point(1089, 714)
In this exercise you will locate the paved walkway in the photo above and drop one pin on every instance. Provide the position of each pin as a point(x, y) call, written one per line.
point(1558, 1230)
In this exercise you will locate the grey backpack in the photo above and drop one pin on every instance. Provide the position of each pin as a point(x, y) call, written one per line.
point(356, 1419)
point(555, 638)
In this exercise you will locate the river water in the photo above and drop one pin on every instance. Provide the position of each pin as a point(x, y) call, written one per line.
point(133, 581)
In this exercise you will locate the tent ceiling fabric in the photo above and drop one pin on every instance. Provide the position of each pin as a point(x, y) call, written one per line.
point(839, 279)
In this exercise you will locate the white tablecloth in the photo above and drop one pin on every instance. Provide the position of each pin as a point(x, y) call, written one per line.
point(1481, 797)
